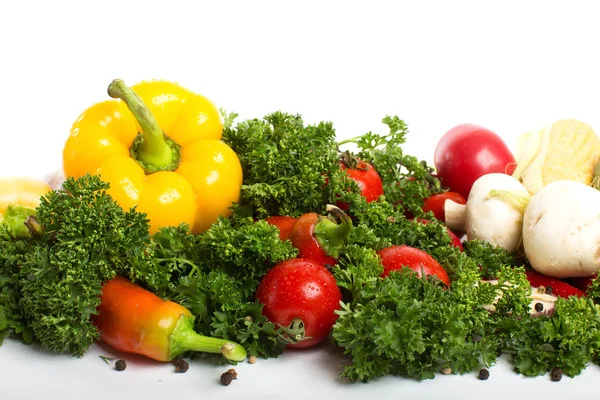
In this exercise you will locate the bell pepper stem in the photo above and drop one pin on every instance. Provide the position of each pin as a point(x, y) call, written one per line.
point(184, 338)
point(331, 235)
point(151, 149)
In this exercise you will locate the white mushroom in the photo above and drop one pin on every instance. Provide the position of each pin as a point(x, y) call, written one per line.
point(494, 210)
point(561, 230)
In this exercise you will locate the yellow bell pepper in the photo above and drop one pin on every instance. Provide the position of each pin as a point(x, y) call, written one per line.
point(158, 146)
point(21, 191)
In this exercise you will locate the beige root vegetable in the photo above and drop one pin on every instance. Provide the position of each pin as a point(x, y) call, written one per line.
point(494, 210)
point(561, 230)
point(567, 149)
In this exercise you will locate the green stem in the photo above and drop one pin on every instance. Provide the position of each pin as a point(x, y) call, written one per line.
point(151, 149)
point(21, 222)
point(331, 235)
point(351, 140)
point(184, 338)
point(294, 333)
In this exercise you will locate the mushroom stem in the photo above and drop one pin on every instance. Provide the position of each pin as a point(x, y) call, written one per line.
point(455, 215)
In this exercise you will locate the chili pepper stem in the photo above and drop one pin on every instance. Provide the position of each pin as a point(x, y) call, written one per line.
point(152, 149)
point(22, 223)
point(331, 235)
point(184, 338)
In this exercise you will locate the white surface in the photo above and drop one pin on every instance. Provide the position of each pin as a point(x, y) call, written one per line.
point(510, 66)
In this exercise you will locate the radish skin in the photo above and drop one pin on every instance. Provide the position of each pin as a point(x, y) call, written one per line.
point(561, 230)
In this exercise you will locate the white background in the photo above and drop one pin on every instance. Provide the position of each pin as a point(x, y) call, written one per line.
point(510, 66)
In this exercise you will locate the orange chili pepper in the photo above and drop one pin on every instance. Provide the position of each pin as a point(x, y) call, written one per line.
point(134, 320)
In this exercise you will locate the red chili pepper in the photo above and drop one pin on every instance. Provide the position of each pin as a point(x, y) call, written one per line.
point(581, 283)
point(134, 320)
point(559, 288)
point(284, 223)
point(321, 238)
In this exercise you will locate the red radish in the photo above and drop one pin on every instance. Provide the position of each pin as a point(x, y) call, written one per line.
point(394, 258)
point(467, 152)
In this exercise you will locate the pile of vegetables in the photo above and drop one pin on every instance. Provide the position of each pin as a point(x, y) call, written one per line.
point(178, 232)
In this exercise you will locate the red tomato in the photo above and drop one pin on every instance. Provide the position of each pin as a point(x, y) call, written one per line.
point(367, 179)
point(456, 242)
point(435, 203)
point(394, 258)
point(466, 152)
point(301, 289)
point(284, 224)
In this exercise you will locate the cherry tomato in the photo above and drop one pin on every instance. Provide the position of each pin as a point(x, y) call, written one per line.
point(468, 151)
point(366, 177)
point(301, 289)
point(284, 223)
point(435, 203)
point(394, 258)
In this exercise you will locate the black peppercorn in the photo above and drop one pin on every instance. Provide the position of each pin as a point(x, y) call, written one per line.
point(556, 374)
point(181, 365)
point(228, 377)
point(120, 365)
point(483, 374)
point(539, 307)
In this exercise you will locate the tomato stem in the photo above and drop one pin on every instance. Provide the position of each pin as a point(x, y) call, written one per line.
point(152, 149)
point(184, 338)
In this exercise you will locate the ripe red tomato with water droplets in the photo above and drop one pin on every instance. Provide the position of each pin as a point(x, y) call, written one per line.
point(366, 177)
point(467, 152)
point(300, 289)
point(394, 258)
